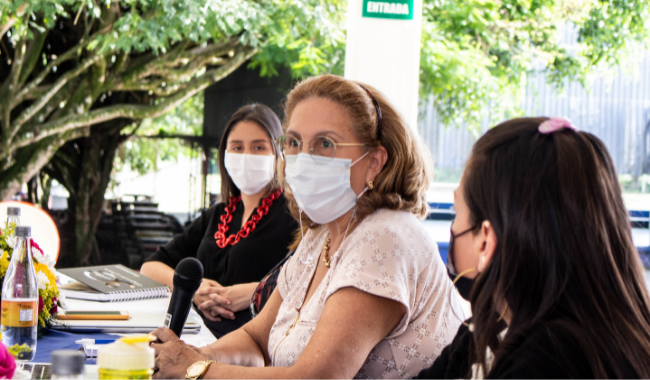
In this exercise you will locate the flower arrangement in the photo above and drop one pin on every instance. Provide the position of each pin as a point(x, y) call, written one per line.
point(49, 298)
point(7, 363)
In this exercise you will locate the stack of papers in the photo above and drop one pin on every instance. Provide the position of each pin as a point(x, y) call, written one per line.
point(137, 323)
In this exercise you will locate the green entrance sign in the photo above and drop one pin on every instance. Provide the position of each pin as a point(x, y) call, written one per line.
point(392, 9)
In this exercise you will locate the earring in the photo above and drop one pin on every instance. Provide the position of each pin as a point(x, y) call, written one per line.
point(453, 283)
point(370, 185)
point(503, 314)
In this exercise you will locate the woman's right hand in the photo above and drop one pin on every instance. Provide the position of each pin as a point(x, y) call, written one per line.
point(224, 301)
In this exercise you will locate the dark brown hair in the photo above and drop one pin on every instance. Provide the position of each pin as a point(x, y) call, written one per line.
point(404, 180)
point(564, 256)
point(267, 120)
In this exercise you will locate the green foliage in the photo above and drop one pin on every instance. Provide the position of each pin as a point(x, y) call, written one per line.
point(288, 32)
point(72, 64)
point(7, 232)
point(294, 39)
point(20, 351)
point(142, 154)
point(318, 48)
point(476, 54)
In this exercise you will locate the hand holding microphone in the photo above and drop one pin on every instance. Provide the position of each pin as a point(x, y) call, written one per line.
point(187, 279)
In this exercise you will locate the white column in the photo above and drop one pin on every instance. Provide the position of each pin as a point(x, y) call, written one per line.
point(383, 50)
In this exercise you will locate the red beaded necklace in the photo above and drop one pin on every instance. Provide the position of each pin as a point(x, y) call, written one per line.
point(249, 227)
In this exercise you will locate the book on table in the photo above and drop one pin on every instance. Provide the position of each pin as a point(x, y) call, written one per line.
point(111, 283)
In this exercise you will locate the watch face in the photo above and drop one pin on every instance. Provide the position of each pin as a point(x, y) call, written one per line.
point(196, 369)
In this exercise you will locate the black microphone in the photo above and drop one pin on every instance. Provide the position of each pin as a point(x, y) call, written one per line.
point(187, 279)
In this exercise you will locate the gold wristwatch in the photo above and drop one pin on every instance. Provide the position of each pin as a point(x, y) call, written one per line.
point(198, 369)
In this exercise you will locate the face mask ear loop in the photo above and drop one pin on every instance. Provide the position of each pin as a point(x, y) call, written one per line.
point(359, 159)
point(363, 192)
point(352, 218)
point(308, 259)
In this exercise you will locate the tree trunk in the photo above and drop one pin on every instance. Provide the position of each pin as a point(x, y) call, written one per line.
point(84, 167)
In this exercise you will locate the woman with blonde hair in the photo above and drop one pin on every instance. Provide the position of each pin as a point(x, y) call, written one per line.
point(366, 293)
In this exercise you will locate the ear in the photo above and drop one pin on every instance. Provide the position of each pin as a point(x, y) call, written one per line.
point(485, 245)
point(377, 160)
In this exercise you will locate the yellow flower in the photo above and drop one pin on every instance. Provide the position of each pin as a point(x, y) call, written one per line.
point(50, 276)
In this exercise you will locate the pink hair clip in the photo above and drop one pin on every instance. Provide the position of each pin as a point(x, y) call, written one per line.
point(554, 124)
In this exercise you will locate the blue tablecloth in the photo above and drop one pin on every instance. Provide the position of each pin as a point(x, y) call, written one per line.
point(58, 340)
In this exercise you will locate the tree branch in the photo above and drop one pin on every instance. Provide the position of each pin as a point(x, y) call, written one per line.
point(174, 58)
point(62, 96)
point(140, 67)
point(169, 76)
point(4, 28)
point(32, 109)
point(33, 53)
point(37, 92)
point(7, 91)
point(213, 49)
point(137, 112)
point(31, 161)
point(71, 53)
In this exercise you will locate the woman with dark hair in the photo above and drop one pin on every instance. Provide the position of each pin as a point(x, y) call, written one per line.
point(240, 239)
point(542, 233)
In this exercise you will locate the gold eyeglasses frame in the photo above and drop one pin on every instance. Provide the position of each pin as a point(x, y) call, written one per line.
point(281, 140)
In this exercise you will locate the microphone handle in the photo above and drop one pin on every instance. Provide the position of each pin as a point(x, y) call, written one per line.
point(179, 308)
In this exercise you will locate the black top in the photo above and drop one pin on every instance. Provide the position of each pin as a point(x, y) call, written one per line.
point(249, 260)
point(546, 351)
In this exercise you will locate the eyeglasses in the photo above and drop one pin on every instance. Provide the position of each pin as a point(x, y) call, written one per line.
point(319, 146)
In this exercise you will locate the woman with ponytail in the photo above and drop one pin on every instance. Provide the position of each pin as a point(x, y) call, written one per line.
point(542, 232)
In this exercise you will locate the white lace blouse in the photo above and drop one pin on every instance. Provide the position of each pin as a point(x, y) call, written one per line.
point(391, 255)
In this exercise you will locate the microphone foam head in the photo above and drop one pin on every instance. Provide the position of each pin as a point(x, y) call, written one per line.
point(188, 274)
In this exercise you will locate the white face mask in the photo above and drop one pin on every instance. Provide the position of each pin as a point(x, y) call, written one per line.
point(321, 187)
point(250, 173)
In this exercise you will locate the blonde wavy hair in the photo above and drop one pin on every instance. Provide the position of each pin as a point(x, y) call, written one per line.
point(404, 180)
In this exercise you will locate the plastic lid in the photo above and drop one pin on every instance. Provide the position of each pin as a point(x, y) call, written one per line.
point(129, 353)
point(68, 362)
point(23, 231)
point(13, 211)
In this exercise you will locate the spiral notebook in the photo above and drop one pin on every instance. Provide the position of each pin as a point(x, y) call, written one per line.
point(111, 283)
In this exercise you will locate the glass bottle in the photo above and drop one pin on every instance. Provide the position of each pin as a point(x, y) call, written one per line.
point(19, 320)
point(13, 215)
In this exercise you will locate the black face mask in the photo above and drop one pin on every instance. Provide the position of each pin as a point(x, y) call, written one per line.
point(463, 284)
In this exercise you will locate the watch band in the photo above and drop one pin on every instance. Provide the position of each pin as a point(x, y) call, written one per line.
point(207, 364)
point(207, 367)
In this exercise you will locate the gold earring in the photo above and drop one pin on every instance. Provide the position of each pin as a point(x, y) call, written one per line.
point(461, 274)
point(370, 185)
point(502, 314)
point(453, 283)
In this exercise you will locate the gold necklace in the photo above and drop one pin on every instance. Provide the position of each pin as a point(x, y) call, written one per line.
point(326, 260)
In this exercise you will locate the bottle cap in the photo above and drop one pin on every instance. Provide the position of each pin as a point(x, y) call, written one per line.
point(122, 355)
point(68, 362)
point(24, 231)
point(13, 211)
